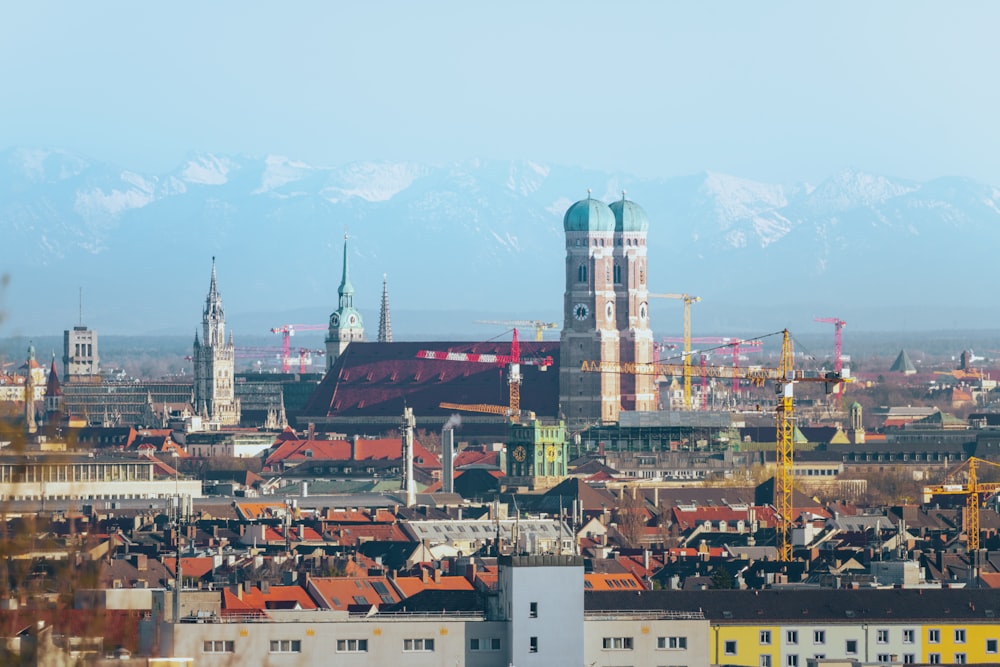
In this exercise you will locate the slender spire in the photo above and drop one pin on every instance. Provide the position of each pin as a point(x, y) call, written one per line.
point(212, 289)
point(346, 290)
point(384, 324)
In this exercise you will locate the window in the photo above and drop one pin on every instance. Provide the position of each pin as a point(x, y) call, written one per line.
point(676, 643)
point(852, 647)
point(991, 646)
point(219, 647)
point(765, 637)
point(934, 658)
point(819, 636)
point(960, 636)
point(934, 637)
point(765, 660)
point(882, 636)
point(908, 636)
point(883, 658)
point(352, 646)
point(730, 647)
point(581, 274)
point(792, 637)
point(533, 610)
point(484, 644)
point(618, 274)
point(619, 643)
point(792, 661)
point(909, 658)
point(418, 644)
point(286, 646)
point(533, 645)
point(960, 659)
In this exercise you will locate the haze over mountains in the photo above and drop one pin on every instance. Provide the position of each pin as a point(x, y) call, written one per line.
point(474, 240)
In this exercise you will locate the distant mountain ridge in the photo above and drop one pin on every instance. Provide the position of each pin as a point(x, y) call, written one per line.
point(478, 238)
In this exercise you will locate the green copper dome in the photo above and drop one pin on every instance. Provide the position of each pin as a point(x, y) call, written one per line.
point(629, 216)
point(589, 215)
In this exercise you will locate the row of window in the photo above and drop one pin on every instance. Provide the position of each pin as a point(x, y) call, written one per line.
point(627, 643)
point(881, 637)
point(881, 658)
point(349, 645)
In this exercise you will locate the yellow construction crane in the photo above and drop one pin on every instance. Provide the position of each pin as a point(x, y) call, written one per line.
point(972, 490)
point(539, 326)
point(688, 300)
point(784, 377)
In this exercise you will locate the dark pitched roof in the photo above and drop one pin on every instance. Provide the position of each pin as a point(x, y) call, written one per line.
point(940, 605)
point(431, 600)
point(380, 379)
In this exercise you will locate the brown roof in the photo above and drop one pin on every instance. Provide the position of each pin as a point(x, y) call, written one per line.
point(380, 379)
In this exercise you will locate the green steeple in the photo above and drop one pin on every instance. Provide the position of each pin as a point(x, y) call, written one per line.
point(346, 290)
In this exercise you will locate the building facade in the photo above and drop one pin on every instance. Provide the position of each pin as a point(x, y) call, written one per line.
point(605, 312)
point(215, 364)
point(81, 359)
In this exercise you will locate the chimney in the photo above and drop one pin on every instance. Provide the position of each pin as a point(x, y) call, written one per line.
point(470, 572)
point(311, 433)
point(354, 447)
point(423, 575)
point(140, 562)
point(237, 590)
point(437, 575)
point(265, 587)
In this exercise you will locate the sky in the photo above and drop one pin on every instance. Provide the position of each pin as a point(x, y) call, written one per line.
point(778, 91)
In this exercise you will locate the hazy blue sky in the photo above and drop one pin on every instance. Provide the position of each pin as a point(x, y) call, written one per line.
point(776, 90)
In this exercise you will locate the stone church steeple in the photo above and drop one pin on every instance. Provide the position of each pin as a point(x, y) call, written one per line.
point(215, 364)
point(346, 325)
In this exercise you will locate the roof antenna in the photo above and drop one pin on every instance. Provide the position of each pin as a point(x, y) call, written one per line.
point(81, 306)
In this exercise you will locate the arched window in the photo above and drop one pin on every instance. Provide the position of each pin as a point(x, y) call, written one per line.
point(581, 274)
point(618, 274)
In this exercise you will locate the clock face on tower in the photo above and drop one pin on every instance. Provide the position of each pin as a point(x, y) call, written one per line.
point(335, 320)
point(520, 453)
point(642, 310)
point(352, 319)
point(550, 453)
point(609, 311)
point(580, 311)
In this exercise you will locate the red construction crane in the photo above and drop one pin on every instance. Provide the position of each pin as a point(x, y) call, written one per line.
point(838, 340)
point(512, 362)
point(735, 344)
point(287, 331)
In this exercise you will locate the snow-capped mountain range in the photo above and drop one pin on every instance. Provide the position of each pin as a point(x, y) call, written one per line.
point(478, 239)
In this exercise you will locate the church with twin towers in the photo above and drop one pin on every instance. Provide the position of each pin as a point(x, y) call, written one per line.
point(605, 312)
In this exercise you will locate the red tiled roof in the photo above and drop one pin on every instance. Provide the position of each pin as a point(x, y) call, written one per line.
point(341, 450)
point(413, 585)
point(195, 566)
point(380, 379)
point(611, 582)
point(279, 597)
point(343, 592)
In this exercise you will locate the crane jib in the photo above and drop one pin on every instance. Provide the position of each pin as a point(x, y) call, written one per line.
point(633, 368)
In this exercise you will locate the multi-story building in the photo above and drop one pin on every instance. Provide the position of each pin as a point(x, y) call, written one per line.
point(215, 364)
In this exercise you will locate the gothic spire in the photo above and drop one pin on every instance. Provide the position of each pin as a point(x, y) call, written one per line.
point(346, 290)
point(384, 325)
point(214, 318)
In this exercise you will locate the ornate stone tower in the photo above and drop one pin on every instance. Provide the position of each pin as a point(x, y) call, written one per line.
point(632, 303)
point(590, 319)
point(346, 325)
point(215, 364)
